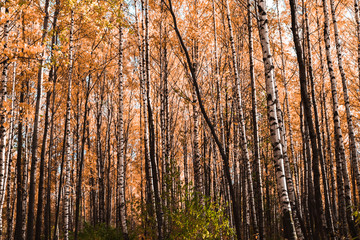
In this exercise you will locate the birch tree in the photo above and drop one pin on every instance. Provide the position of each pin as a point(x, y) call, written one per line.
point(289, 229)
point(339, 142)
point(67, 135)
point(121, 158)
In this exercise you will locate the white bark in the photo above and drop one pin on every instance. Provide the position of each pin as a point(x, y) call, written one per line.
point(275, 135)
point(121, 158)
point(349, 116)
point(339, 142)
point(67, 135)
point(3, 93)
point(357, 19)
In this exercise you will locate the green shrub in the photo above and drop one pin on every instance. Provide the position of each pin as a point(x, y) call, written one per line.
point(99, 232)
point(197, 221)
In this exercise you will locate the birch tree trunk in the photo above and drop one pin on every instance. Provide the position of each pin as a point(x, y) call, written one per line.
point(81, 163)
point(328, 135)
point(297, 217)
point(143, 86)
point(121, 158)
point(8, 172)
point(185, 153)
point(275, 138)
point(10, 187)
point(357, 19)
point(109, 163)
point(196, 151)
point(349, 115)
point(339, 142)
point(154, 167)
point(283, 73)
point(219, 106)
point(198, 168)
point(26, 166)
point(149, 189)
point(3, 93)
point(67, 135)
point(164, 122)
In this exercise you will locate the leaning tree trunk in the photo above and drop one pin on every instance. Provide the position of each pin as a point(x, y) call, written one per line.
point(289, 228)
point(308, 116)
point(208, 122)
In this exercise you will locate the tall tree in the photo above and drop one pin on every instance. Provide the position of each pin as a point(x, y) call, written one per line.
point(349, 115)
point(328, 213)
point(208, 121)
point(3, 93)
point(34, 143)
point(289, 228)
point(241, 121)
point(67, 135)
point(339, 142)
point(308, 115)
point(258, 174)
point(121, 205)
